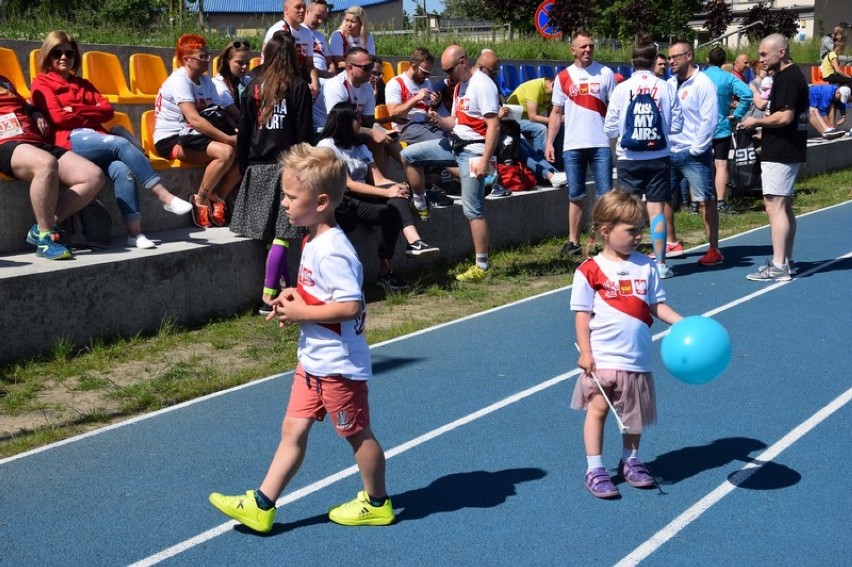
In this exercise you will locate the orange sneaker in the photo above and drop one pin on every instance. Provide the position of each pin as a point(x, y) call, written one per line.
point(711, 258)
point(219, 211)
point(200, 213)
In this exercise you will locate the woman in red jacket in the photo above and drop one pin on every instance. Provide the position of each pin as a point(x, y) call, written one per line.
point(78, 111)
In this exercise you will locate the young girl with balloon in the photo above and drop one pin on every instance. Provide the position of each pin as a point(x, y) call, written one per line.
point(615, 297)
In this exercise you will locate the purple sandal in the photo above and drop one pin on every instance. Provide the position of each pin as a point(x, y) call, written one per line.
point(636, 474)
point(600, 484)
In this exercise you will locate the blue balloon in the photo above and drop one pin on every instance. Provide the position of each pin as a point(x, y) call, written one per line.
point(696, 350)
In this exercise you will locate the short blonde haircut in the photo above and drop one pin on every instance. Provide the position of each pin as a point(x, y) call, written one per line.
point(618, 206)
point(361, 14)
point(53, 40)
point(319, 169)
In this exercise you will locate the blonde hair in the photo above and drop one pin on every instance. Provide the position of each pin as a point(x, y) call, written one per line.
point(361, 14)
point(319, 169)
point(618, 206)
point(51, 41)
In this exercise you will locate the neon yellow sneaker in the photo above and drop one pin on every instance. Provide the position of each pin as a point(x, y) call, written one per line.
point(244, 509)
point(473, 274)
point(360, 512)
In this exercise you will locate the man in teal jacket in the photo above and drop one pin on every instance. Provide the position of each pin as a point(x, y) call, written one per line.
point(727, 87)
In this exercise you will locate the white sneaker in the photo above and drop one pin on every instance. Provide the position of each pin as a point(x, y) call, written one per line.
point(178, 206)
point(664, 271)
point(140, 241)
point(559, 179)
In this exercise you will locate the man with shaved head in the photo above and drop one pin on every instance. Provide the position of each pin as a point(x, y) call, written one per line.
point(784, 142)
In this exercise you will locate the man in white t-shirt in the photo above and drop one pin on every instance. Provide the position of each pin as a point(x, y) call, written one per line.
point(315, 14)
point(643, 163)
point(692, 148)
point(303, 37)
point(411, 95)
point(475, 130)
point(581, 93)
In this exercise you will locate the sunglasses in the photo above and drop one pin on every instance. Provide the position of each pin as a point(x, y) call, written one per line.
point(241, 45)
point(426, 72)
point(366, 67)
point(204, 57)
point(451, 69)
point(57, 53)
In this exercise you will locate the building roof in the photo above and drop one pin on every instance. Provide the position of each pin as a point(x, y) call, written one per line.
point(271, 6)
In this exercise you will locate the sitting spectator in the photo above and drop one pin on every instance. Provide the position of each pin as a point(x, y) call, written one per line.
point(232, 73)
point(534, 98)
point(77, 112)
point(411, 96)
point(377, 80)
point(830, 68)
point(271, 121)
point(445, 88)
point(371, 198)
point(824, 100)
point(25, 154)
point(181, 132)
point(353, 32)
point(838, 33)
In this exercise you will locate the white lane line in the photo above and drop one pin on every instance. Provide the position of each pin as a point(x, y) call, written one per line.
point(194, 401)
point(697, 509)
point(331, 479)
point(399, 449)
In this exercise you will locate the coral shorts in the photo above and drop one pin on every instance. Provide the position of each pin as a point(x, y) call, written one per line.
point(345, 400)
point(632, 394)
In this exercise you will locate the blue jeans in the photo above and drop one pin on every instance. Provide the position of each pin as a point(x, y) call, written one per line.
point(534, 160)
point(122, 161)
point(576, 163)
point(440, 153)
point(536, 134)
point(698, 171)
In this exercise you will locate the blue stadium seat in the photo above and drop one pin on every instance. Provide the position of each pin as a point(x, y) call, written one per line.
point(545, 71)
point(509, 79)
point(625, 71)
point(528, 73)
point(560, 68)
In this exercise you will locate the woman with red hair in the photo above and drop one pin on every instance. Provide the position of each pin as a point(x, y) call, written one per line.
point(181, 132)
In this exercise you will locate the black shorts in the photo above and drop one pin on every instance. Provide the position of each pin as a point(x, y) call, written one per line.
point(7, 149)
point(197, 142)
point(721, 148)
point(649, 177)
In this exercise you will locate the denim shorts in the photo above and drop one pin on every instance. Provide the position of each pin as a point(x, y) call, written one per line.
point(576, 163)
point(698, 171)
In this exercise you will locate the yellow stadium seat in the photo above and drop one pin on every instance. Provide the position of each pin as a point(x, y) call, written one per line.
point(254, 62)
point(10, 67)
point(387, 71)
point(146, 126)
point(104, 71)
point(34, 71)
point(175, 63)
point(402, 67)
point(380, 113)
point(120, 119)
point(214, 66)
point(147, 73)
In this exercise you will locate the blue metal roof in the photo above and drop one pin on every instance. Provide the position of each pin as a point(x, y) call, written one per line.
point(270, 6)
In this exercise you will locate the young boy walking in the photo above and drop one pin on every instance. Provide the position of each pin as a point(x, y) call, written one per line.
point(334, 360)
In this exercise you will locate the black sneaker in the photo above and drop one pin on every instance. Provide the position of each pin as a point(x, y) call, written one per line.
point(693, 209)
point(725, 209)
point(263, 308)
point(391, 282)
point(438, 197)
point(420, 249)
point(570, 250)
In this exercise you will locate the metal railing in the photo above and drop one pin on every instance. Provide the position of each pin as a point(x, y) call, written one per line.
point(738, 33)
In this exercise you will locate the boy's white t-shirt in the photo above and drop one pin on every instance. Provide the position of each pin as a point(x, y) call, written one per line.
point(619, 295)
point(177, 89)
point(331, 271)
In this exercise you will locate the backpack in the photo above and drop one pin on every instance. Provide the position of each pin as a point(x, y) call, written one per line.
point(509, 143)
point(91, 227)
point(643, 125)
point(516, 176)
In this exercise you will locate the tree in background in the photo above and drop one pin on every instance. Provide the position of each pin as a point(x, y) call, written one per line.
point(781, 21)
point(123, 13)
point(573, 15)
point(718, 17)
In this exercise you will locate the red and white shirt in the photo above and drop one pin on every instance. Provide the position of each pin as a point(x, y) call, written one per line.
point(619, 295)
point(473, 101)
point(340, 44)
point(340, 89)
point(401, 88)
point(303, 37)
point(583, 94)
point(331, 271)
point(177, 89)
